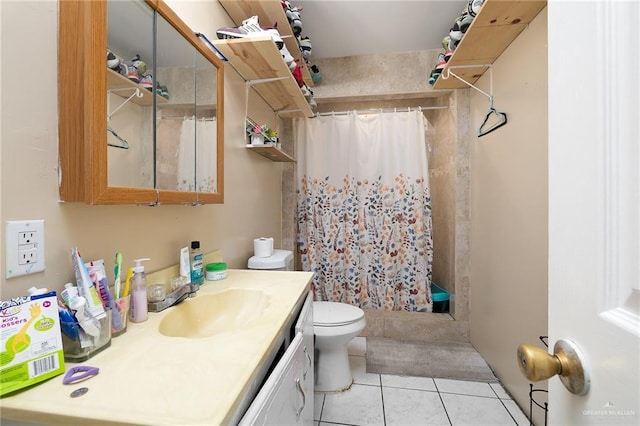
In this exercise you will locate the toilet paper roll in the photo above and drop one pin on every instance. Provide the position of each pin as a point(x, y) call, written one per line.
point(263, 247)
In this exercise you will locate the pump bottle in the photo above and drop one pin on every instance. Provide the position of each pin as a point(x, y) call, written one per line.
point(139, 312)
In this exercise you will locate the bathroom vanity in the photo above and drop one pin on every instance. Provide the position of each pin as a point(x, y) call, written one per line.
point(286, 398)
point(172, 370)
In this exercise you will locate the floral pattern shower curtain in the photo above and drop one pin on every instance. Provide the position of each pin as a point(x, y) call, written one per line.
point(364, 209)
point(203, 131)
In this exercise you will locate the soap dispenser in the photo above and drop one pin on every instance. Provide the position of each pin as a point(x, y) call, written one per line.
point(139, 311)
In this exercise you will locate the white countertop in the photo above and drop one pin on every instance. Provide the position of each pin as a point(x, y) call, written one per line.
point(148, 378)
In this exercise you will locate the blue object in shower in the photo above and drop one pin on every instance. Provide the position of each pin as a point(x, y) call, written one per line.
point(440, 299)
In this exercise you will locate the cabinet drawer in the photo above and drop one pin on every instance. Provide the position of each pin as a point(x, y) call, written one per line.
point(282, 398)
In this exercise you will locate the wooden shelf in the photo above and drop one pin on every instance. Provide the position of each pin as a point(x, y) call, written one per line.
point(272, 153)
point(258, 61)
point(497, 24)
point(269, 12)
point(123, 87)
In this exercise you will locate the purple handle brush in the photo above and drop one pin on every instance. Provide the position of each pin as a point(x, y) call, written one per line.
point(107, 300)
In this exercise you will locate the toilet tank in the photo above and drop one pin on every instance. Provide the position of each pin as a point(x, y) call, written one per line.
point(280, 260)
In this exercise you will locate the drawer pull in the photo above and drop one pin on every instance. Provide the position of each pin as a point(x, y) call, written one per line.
point(304, 398)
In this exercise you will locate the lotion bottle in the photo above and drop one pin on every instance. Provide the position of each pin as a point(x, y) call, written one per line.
point(139, 312)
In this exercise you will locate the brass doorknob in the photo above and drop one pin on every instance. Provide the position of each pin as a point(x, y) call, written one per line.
point(567, 361)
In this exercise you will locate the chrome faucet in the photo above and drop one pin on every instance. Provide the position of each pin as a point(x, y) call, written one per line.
point(175, 297)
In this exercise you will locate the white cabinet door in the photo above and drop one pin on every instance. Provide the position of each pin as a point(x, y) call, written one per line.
point(304, 326)
point(282, 399)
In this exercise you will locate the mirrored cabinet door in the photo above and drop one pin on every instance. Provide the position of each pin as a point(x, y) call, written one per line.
point(130, 95)
point(175, 119)
point(140, 102)
point(206, 126)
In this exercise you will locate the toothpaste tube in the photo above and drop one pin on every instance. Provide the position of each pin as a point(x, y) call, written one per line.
point(97, 274)
point(85, 286)
point(185, 264)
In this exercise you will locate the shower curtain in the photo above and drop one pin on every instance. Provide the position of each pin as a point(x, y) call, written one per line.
point(204, 131)
point(364, 209)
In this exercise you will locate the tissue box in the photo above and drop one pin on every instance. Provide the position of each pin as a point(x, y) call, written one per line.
point(31, 350)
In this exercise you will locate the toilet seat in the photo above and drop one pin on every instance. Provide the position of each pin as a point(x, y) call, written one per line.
point(334, 314)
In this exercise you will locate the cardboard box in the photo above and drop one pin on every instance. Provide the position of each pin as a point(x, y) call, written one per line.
point(31, 342)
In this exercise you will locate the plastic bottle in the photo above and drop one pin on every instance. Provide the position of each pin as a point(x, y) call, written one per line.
point(196, 260)
point(139, 312)
point(69, 291)
point(87, 322)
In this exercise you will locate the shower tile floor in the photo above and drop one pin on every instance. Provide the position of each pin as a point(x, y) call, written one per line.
point(382, 399)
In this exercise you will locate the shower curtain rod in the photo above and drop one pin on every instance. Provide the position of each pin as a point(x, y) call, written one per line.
point(369, 111)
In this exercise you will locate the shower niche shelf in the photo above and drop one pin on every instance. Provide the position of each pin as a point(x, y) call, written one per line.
point(272, 153)
point(497, 24)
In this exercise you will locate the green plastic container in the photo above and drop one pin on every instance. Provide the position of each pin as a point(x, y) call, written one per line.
point(440, 299)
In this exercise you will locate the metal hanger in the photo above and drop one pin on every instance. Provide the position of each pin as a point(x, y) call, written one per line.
point(493, 119)
point(125, 144)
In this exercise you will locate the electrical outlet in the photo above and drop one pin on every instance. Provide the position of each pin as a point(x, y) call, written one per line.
point(24, 247)
point(27, 256)
point(26, 238)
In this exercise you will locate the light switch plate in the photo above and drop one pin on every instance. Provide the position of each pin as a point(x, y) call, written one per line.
point(24, 247)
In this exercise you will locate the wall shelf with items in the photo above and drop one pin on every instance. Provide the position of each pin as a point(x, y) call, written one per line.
point(497, 24)
point(125, 88)
point(259, 62)
point(270, 149)
point(272, 153)
point(269, 12)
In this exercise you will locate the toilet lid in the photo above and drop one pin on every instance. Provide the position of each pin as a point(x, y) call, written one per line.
point(329, 314)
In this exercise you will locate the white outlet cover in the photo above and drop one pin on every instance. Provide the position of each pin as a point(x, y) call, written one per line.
point(13, 230)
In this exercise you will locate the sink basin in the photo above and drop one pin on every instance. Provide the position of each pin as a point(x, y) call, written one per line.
point(211, 314)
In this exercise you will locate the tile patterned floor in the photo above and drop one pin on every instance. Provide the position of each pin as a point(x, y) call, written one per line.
point(388, 400)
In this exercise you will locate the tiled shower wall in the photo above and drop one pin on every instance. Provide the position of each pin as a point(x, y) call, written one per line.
point(449, 180)
point(399, 80)
point(288, 190)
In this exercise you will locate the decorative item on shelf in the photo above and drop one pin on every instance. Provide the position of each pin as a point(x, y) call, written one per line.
point(260, 134)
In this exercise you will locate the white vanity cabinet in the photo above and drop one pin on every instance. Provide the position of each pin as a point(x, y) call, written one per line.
point(304, 326)
point(286, 397)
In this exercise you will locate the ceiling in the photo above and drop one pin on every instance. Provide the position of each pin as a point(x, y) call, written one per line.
point(340, 28)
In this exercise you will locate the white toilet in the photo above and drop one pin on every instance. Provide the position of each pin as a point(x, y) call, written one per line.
point(334, 325)
point(280, 260)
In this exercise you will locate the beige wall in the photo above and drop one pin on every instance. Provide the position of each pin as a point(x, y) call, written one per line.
point(29, 153)
point(509, 211)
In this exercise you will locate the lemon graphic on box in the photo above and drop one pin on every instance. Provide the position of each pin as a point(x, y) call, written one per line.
point(21, 340)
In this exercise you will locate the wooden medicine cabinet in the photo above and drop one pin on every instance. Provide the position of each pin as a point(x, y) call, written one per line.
point(121, 141)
